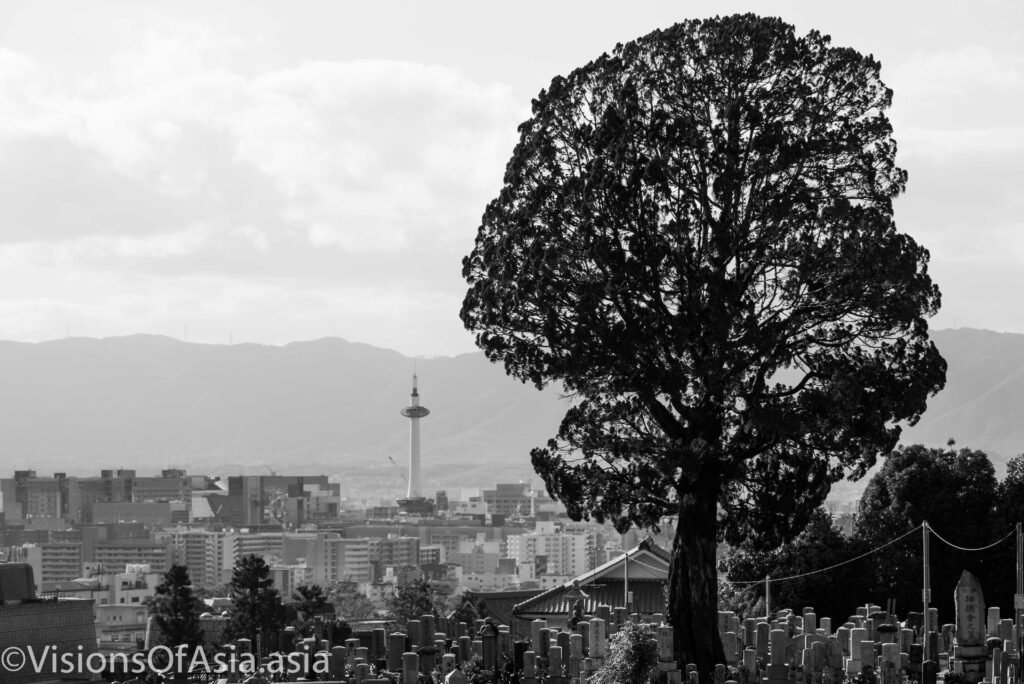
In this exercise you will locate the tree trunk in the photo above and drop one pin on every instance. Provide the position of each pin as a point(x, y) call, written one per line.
point(693, 580)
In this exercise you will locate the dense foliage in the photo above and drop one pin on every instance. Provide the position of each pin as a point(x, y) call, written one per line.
point(632, 656)
point(695, 238)
point(413, 601)
point(955, 491)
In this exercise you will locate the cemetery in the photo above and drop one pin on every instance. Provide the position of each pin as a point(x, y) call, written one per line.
point(873, 646)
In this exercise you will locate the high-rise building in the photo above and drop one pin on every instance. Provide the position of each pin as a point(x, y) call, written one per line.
point(263, 499)
point(508, 500)
point(395, 551)
point(54, 561)
point(336, 559)
point(27, 496)
point(112, 555)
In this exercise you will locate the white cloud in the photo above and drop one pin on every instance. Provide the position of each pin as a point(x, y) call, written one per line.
point(366, 155)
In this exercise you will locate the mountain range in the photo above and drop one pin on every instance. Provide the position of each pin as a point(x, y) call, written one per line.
point(331, 406)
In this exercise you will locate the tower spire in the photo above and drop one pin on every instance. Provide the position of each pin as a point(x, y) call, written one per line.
point(414, 412)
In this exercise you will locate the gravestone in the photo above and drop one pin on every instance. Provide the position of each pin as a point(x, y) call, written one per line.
point(598, 638)
point(929, 672)
point(992, 623)
point(456, 676)
point(970, 627)
point(843, 637)
point(543, 644)
point(749, 632)
point(396, 646)
point(761, 639)
point(749, 665)
point(584, 629)
point(535, 628)
point(529, 665)
point(554, 662)
point(889, 673)
point(337, 662)
point(562, 639)
point(412, 628)
point(410, 667)
point(519, 650)
point(834, 654)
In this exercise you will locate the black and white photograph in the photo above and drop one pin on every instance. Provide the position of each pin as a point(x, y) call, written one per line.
point(565, 342)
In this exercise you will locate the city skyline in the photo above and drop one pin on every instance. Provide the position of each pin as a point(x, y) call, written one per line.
point(256, 172)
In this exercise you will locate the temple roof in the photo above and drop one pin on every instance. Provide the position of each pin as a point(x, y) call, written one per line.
point(647, 576)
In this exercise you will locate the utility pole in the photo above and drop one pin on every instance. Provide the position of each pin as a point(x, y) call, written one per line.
point(625, 580)
point(926, 592)
point(1018, 598)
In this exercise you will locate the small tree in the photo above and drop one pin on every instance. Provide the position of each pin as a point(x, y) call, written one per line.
point(468, 607)
point(412, 601)
point(310, 600)
point(349, 602)
point(632, 656)
point(176, 610)
point(257, 604)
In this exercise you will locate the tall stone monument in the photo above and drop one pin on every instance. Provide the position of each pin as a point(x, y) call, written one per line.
point(970, 627)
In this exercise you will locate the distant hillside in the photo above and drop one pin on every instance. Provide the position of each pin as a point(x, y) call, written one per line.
point(332, 406)
point(326, 406)
point(983, 402)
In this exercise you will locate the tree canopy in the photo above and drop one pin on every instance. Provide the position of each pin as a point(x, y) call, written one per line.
point(833, 594)
point(695, 238)
point(954, 490)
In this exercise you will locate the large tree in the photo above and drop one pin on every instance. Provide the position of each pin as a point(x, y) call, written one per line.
point(176, 608)
point(695, 238)
point(257, 607)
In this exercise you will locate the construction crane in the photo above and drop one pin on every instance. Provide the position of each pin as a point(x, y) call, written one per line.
point(400, 471)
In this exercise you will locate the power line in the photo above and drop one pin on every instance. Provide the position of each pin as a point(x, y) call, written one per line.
point(962, 548)
point(832, 567)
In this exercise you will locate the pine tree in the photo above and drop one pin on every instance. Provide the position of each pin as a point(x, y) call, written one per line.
point(176, 609)
point(257, 605)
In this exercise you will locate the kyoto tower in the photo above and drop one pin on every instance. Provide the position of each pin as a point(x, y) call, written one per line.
point(415, 502)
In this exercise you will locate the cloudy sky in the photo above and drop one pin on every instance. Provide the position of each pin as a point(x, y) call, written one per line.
point(277, 171)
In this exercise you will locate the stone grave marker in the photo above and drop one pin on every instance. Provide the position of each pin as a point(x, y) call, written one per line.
point(929, 672)
point(970, 627)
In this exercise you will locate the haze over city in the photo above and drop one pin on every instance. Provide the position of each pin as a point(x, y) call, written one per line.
point(269, 172)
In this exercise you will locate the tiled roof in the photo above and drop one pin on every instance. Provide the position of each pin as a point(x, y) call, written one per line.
point(648, 597)
point(648, 594)
point(501, 603)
